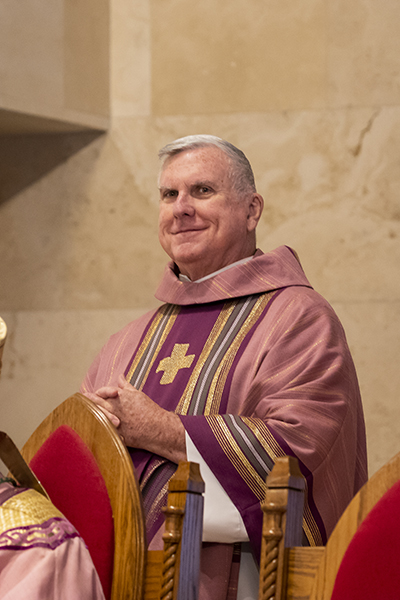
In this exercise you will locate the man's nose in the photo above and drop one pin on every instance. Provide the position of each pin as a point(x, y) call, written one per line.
point(184, 205)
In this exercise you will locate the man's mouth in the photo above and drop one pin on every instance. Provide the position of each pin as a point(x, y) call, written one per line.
point(187, 231)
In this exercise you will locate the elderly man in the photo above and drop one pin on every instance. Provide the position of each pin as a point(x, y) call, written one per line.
point(242, 363)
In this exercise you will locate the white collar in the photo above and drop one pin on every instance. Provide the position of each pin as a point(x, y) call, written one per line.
point(238, 262)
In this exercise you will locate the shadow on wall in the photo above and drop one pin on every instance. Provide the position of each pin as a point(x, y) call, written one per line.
point(24, 159)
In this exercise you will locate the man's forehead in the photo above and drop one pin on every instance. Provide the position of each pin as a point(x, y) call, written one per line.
point(200, 165)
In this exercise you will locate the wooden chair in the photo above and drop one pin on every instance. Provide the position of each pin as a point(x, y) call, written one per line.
point(174, 572)
point(76, 450)
point(361, 557)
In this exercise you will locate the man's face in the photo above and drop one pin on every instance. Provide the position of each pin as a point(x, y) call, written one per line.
point(203, 225)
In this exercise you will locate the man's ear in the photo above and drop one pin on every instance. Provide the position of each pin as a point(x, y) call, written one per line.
point(256, 206)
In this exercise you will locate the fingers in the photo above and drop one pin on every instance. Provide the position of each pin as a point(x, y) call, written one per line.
point(105, 395)
point(113, 418)
point(99, 400)
point(107, 392)
point(91, 395)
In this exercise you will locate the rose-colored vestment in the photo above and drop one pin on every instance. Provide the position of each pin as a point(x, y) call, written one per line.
point(42, 556)
point(257, 364)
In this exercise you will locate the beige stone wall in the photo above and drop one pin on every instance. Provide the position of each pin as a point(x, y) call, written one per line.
point(310, 91)
point(54, 65)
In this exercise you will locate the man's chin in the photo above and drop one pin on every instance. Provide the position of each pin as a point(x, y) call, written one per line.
point(189, 254)
point(191, 266)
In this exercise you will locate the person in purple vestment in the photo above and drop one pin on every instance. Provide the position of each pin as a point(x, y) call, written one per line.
point(242, 363)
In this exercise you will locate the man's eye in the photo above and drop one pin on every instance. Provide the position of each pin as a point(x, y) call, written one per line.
point(205, 190)
point(169, 194)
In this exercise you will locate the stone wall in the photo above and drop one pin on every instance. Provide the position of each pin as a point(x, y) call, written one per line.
point(310, 91)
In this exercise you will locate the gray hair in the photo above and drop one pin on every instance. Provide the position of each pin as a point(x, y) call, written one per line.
point(240, 171)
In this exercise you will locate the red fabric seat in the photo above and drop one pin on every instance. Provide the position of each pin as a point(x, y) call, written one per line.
point(69, 473)
point(370, 567)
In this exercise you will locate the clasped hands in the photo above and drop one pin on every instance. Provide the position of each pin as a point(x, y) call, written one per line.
point(139, 420)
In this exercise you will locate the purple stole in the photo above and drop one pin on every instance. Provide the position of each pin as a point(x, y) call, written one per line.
point(185, 361)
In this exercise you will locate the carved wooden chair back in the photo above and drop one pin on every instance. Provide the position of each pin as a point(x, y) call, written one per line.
point(362, 554)
point(173, 574)
point(76, 450)
point(86, 470)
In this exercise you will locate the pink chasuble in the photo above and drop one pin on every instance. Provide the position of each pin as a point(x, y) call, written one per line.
point(186, 360)
point(257, 365)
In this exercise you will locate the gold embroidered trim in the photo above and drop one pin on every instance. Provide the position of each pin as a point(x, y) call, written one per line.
point(264, 436)
point(310, 526)
point(217, 385)
point(26, 508)
point(151, 332)
point(115, 357)
point(267, 440)
point(236, 456)
point(221, 321)
point(154, 510)
point(145, 343)
point(171, 365)
point(220, 288)
point(243, 466)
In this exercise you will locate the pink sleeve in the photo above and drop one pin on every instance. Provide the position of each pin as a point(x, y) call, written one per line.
point(44, 574)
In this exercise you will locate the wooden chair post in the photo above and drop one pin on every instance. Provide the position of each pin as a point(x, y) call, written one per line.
point(282, 525)
point(180, 572)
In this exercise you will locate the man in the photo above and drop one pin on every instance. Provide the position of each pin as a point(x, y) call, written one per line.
point(243, 363)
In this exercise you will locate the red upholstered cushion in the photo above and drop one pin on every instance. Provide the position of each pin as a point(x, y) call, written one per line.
point(70, 475)
point(370, 567)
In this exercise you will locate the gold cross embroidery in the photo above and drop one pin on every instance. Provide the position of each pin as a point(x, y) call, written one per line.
point(171, 365)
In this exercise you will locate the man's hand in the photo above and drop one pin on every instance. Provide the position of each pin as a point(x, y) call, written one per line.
point(142, 423)
point(100, 397)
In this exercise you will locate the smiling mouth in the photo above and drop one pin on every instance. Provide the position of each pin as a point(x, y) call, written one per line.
point(183, 231)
